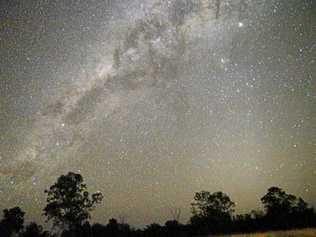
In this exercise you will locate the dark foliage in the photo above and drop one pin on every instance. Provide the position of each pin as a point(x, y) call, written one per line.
point(211, 212)
point(69, 205)
point(12, 221)
point(34, 230)
point(285, 210)
point(69, 202)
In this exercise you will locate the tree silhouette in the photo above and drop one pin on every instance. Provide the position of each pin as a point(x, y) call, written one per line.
point(173, 228)
point(34, 230)
point(284, 210)
point(277, 201)
point(205, 203)
point(213, 210)
point(112, 227)
point(12, 222)
point(69, 202)
point(83, 230)
point(98, 230)
point(153, 230)
point(69, 205)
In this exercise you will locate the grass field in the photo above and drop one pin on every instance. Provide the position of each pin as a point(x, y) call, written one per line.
point(291, 233)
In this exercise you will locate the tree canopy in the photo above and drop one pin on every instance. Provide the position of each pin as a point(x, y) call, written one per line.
point(68, 201)
point(12, 222)
point(211, 211)
point(69, 205)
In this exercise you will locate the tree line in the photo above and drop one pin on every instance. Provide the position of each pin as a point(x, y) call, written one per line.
point(69, 205)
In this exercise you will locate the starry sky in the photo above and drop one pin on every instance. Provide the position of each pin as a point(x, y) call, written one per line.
point(154, 100)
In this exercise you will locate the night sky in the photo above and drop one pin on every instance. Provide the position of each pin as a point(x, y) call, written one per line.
point(154, 100)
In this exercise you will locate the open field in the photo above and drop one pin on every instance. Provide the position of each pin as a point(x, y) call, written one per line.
point(311, 232)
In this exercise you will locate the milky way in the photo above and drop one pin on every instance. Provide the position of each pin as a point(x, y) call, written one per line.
point(154, 100)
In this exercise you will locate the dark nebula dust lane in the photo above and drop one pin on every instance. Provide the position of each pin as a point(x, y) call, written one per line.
point(154, 100)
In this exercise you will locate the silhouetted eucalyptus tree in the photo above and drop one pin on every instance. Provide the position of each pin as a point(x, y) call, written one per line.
point(211, 211)
point(69, 205)
point(69, 202)
point(285, 210)
point(277, 201)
